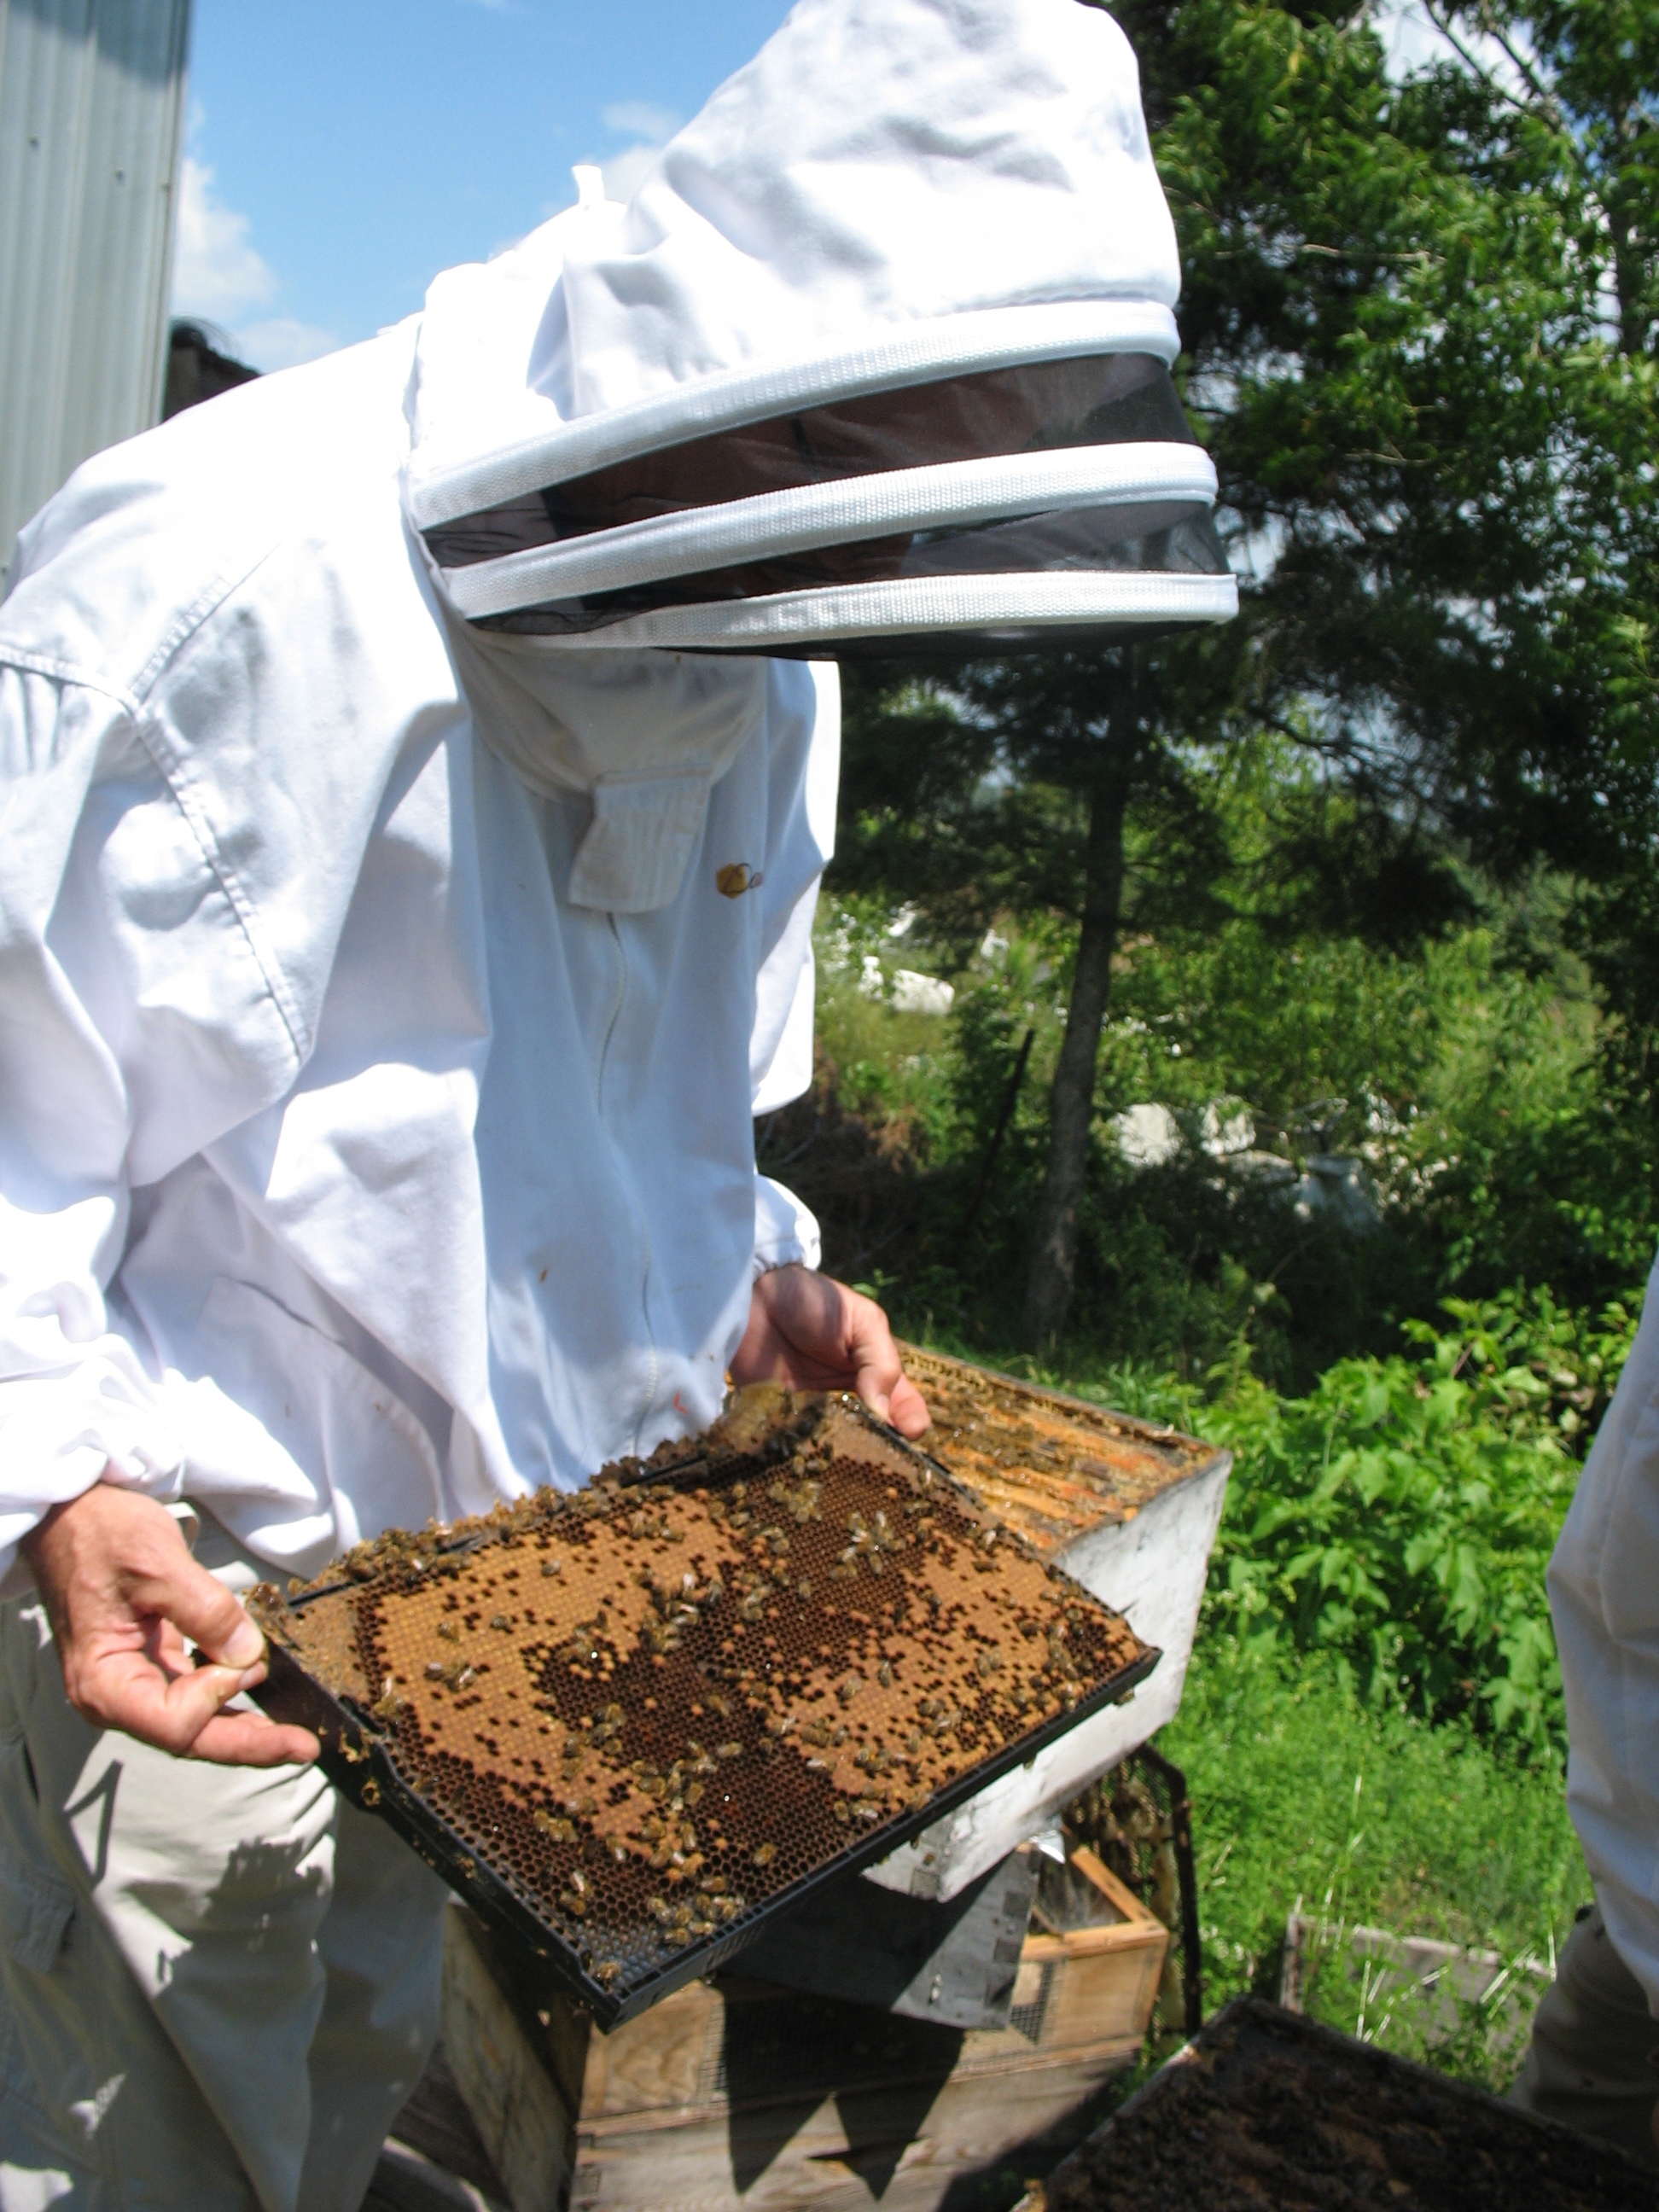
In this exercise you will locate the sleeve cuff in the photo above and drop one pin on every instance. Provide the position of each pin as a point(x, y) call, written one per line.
point(786, 1232)
point(60, 1432)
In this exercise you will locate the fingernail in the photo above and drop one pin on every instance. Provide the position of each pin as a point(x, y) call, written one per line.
point(244, 1647)
point(879, 1409)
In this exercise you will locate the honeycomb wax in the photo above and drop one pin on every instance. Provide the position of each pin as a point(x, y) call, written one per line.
point(652, 1711)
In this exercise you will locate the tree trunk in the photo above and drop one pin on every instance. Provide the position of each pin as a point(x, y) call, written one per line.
point(1053, 1256)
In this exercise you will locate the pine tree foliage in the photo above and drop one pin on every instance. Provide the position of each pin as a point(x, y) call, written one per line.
point(1420, 315)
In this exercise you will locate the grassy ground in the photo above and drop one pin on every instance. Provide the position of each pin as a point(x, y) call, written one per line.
point(1304, 1797)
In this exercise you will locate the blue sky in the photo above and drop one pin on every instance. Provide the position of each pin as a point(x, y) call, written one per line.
point(340, 152)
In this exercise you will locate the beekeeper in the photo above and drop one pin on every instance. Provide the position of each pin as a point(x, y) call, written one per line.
point(419, 767)
point(1594, 2058)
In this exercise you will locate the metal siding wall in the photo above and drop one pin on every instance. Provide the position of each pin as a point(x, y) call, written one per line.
point(91, 99)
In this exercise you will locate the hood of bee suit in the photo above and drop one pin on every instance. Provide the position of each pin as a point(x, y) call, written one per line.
point(875, 359)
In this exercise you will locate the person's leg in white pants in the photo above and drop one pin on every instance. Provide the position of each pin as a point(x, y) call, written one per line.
point(217, 1985)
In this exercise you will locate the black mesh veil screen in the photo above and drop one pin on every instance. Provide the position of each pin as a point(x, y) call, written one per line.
point(1142, 539)
point(1100, 399)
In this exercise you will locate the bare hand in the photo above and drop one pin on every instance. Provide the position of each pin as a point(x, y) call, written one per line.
point(122, 1593)
point(814, 1333)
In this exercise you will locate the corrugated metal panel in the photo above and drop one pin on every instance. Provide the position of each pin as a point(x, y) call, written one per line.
point(91, 96)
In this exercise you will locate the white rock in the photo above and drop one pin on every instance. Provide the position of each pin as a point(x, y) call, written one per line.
point(1228, 1126)
point(921, 995)
point(1334, 1187)
point(1148, 1136)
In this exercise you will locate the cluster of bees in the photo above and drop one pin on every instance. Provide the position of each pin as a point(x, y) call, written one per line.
point(651, 1712)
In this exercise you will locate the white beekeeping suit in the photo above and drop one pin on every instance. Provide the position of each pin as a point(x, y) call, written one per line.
point(1591, 2061)
point(406, 882)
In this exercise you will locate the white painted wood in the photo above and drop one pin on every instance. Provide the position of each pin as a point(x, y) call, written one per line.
point(1153, 1570)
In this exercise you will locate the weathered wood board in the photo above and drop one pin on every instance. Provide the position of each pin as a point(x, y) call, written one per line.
point(735, 2094)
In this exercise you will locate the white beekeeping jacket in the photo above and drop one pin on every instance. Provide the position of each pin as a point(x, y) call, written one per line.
point(406, 879)
point(1604, 1596)
point(349, 1172)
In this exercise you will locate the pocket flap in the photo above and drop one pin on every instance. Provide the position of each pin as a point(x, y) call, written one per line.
point(35, 1910)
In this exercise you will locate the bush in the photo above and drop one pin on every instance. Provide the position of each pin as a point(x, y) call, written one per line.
point(1401, 1516)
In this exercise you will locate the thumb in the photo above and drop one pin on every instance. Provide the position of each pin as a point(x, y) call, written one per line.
point(874, 1358)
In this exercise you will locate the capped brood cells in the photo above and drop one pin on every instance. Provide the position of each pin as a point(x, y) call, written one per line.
point(652, 1711)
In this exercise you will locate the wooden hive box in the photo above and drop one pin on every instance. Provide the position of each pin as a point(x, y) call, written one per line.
point(734, 2093)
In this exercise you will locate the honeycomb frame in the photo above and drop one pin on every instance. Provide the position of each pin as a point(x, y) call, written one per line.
point(632, 1724)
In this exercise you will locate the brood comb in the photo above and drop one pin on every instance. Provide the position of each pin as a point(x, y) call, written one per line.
point(632, 1724)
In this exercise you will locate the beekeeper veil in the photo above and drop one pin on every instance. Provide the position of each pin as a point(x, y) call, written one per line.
point(876, 358)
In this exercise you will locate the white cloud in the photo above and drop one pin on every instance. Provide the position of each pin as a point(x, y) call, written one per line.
point(218, 272)
point(638, 118)
point(650, 127)
point(281, 342)
point(220, 277)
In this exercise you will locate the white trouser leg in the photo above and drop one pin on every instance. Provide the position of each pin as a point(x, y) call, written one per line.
point(171, 2027)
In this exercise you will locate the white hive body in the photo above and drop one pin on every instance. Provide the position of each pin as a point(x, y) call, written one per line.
point(1142, 1547)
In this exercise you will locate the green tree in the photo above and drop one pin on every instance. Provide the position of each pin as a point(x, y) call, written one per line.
point(1419, 317)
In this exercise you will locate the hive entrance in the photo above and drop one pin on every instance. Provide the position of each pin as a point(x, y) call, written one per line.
point(643, 1717)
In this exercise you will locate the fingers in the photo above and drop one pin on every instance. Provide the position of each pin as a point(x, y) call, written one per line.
point(182, 1712)
point(806, 1329)
point(122, 1687)
point(251, 1740)
point(124, 1594)
point(880, 1379)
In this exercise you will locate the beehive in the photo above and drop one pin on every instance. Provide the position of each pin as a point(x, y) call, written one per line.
point(631, 1723)
point(736, 2095)
point(1265, 2107)
point(1126, 1508)
point(1051, 1466)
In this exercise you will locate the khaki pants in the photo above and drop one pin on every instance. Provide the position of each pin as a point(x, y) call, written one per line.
point(1595, 2047)
point(217, 1985)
